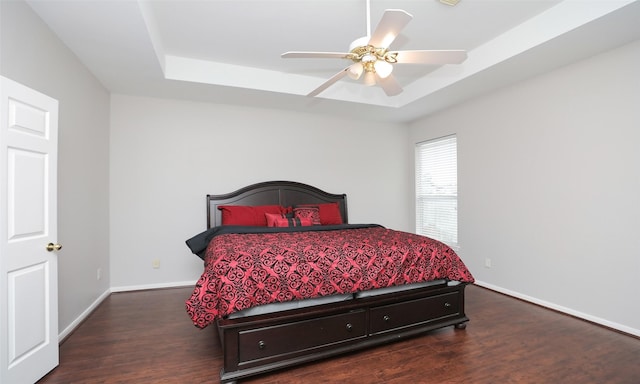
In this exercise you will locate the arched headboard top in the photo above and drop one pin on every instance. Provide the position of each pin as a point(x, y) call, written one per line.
point(284, 193)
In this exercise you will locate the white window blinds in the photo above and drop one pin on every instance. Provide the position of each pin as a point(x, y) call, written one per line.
point(437, 189)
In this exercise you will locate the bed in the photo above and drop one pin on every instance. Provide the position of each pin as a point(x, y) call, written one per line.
point(308, 285)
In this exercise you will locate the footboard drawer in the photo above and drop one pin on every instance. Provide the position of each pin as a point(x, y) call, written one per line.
point(415, 312)
point(300, 337)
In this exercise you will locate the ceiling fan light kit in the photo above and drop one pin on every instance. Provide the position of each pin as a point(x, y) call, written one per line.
point(371, 56)
point(370, 59)
point(382, 68)
point(355, 71)
point(369, 79)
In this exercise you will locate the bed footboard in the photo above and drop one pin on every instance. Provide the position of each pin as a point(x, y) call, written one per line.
point(264, 343)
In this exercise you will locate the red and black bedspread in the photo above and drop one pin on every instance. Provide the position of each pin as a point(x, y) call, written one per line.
point(246, 267)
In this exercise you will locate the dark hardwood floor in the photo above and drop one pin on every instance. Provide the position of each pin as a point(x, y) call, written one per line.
point(147, 337)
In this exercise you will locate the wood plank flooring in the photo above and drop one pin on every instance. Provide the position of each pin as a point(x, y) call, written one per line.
point(147, 337)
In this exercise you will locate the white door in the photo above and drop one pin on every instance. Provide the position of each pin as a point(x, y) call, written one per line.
point(28, 234)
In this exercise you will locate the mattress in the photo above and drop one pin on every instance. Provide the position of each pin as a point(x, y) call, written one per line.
point(297, 304)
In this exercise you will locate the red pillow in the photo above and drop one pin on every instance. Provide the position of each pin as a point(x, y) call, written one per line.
point(272, 217)
point(329, 213)
point(293, 222)
point(247, 215)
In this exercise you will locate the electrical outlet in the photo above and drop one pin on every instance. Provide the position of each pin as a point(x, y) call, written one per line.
point(155, 263)
point(487, 263)
point(99, 274)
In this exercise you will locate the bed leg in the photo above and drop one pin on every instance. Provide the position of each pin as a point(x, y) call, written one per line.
point(223, 381)
point(461, 325)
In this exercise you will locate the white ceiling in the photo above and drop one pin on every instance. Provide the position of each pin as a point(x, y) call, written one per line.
point(228, 51)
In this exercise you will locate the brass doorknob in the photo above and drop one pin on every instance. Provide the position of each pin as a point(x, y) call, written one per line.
point(53, 247)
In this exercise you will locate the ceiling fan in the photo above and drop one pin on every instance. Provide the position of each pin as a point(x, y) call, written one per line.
point(372, 59)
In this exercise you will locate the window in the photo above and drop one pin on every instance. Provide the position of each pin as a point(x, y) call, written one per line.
point(437, 189)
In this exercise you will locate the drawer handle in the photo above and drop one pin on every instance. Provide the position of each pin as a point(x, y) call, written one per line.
point(386, 318)
point(447, 305)
point(261, 344)
point(349, 327)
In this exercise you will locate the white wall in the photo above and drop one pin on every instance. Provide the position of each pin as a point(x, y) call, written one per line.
point(549, 187)
point(33, 56)
point(167, 155)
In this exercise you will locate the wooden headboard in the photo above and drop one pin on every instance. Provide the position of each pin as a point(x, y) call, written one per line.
point(285, 193)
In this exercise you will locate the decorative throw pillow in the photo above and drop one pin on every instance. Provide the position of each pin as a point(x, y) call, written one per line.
point(329, 213)
point(293, 222)
point(307, 212)
point(247, 215)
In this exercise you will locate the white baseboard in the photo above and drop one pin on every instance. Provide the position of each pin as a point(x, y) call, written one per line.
point(75, 323)
point(177, 284)
point(559, 308)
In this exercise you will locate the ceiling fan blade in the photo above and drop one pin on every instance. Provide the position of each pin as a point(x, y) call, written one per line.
point(431, 57)
point(314, 55)
point(389, 85)
point(329, 82)
point(393, 21)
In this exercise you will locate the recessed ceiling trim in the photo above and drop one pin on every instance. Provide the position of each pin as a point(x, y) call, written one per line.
point(538, 30)
point(154, 32)
point(208, 72)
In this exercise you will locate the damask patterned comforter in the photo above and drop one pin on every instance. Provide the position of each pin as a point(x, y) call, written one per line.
point(246, 266)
